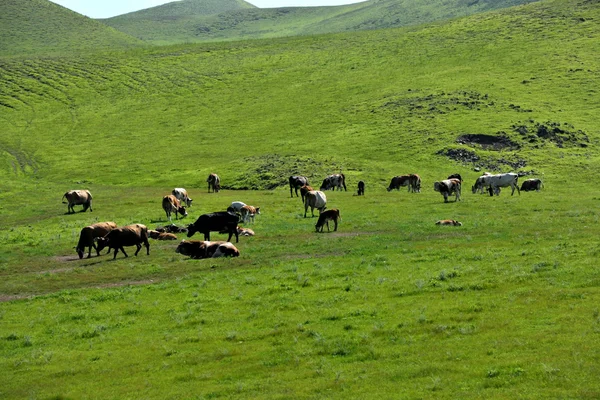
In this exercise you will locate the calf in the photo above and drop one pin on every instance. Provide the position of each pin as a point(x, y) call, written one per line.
point(199, 249)
point(245, 231)
point(532, 184)
point(248, 213)
point(161, 235)
point(222, 221)
point(314, 199)
point(171, 205)
point(91, 232)
point(361, 188)
point(447, 187)
point(448, 222)
point(214, 182)
point(296, 182)
point(78, 197)
point(303, 190)
point(399, 181)
point(130, 235)
point(182, 195)
point(325, 217)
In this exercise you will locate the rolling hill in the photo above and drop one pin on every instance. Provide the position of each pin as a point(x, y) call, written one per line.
point(34, 27)
point(202, 21)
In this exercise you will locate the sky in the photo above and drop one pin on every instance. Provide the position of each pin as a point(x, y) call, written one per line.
point(111, 8)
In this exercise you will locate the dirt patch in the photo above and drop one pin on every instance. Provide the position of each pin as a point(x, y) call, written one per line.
point(468, 157)
point(489, 142)
point(561, 134)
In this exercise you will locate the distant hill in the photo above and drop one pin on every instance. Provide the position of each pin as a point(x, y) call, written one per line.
point(39, 26)
point(172, 21)
point(200, 20)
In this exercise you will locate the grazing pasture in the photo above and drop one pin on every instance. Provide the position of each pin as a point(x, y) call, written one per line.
point(388, 306)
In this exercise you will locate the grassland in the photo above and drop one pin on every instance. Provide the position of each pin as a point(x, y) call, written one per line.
point(390, 306)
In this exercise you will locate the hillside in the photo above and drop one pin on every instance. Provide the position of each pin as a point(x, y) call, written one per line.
point(34, 27)
point(162, 24)
point(390, 305)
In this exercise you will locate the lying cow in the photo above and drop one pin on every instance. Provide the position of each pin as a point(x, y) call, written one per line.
point(161, 235)
point(172, 228)
point(334, 181)
point(361, 188)
point(451, 222)
point(91, 232)
point(171, 205)
point(242, 231)
point(325, 217)
point(222, 221)
point(532, 184)
point(130, 235)
point(447, 187)
point(399, 181)
point(199, 249)
point(248, 213)
point(214, 182)
point(78, 197)
point(182, 195)
point(296, 182)
point(314, 199)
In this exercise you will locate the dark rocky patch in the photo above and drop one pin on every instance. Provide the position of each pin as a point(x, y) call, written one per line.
point(489, 142)
point(561, 134)
point(483, 163)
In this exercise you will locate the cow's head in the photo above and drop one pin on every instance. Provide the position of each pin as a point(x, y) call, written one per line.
point(325, 184)
point(79, 252)
point(436, 186)
point(101, 243)
point(181, 210)
point(191, 229)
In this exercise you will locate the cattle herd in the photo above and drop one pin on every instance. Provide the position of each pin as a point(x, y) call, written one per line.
point(107, 235)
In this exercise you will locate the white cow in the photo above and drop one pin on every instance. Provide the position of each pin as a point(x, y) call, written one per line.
point(495, 182)
point(314, 199)
point(447, 187)
point(182, 195)
point(236, 206)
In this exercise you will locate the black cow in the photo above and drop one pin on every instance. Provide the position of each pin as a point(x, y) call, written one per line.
point(221, 221)
point(296, 182)
point(361, 188)
point(456, 176)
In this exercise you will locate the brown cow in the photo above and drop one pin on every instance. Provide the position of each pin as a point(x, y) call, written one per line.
point(171, 205)
point(248, 213)
point(214, 182)
point(305, 189)
point(77, 197)
point(130, 235)
point(326, 216)
point(91, 232)
point(205, 249)
point(161, 235)
point(449, 222)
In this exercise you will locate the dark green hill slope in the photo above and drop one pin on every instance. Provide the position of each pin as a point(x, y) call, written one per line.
point(159, 25)
point(34, 27)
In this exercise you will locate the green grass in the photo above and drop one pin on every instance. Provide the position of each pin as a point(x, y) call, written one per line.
point(391, 305)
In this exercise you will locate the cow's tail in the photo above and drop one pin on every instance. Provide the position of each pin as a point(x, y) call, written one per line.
point(343, 181)
point(64, 195)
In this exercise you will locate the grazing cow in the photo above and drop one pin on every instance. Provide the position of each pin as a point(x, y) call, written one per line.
point(496, 182)
point(182, 195)
point(77, 197)
point(91, 232)
point(130, 235)
point(221, 221)
point(449, 222)
point(447, 187)
point(361, 188)
point(398, 181)
point(334, 181)
point(236, 206)
point(161, 235)
point(215, 182)
point(171, 205)
point(532, 184)
point(248, 213)
point(314, 199)
point(325, 217)
point(199, 249)
point(414, 183)
point(456, 176)
point(303, 190)
point(296, 182)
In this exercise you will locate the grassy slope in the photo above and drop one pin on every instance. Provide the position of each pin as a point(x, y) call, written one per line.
point(277, 22)
point(391, 306)
point(33, 27)
point(171, 22)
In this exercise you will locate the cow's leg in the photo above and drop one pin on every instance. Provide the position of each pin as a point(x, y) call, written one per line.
point(207, 235)
point(335, 225)
point(327, 222)
point(116, 251)
point(123, 250)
